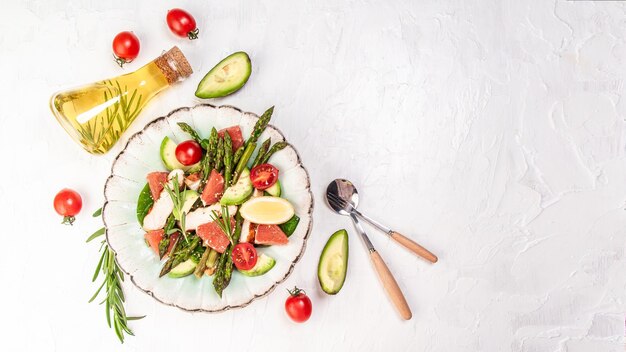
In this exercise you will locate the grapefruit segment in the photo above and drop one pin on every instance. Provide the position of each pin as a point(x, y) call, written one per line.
point(270, 235)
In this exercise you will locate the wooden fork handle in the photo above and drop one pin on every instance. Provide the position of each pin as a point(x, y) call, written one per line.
point(391, 286)
point(413, 246)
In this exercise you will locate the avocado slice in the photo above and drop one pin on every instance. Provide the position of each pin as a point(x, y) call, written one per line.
point(227, 77)
point(264, 263)
point(184, 269)
point(274, 190)
point(333, 264)
point(168, 155)
point(240, 191)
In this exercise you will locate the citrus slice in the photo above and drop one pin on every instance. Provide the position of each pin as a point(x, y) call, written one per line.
point(267, 210)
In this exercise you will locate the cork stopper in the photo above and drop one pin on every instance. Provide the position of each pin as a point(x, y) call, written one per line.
point(174, 65)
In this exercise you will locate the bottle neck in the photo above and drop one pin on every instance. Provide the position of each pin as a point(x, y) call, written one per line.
point(173, 65)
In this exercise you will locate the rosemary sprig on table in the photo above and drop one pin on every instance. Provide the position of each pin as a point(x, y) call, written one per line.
point(113, 278)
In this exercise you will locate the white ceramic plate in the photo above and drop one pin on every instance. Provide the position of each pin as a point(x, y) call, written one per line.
point(125, 236)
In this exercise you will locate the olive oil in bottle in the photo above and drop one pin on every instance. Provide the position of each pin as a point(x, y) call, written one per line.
point(95, 115)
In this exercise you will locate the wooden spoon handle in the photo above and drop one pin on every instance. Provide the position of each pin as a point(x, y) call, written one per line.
point(413, 246)
point(391, 286)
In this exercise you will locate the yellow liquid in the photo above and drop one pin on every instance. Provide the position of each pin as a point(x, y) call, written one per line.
point(97, 114)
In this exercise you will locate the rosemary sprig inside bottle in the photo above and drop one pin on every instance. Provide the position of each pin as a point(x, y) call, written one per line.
point(113, 278)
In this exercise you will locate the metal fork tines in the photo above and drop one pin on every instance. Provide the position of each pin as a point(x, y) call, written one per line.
point(336, 201)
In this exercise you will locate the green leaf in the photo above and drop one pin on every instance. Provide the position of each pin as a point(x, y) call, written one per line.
point(144, 203)
point(118, 330)
point(135, 318)
point(108, 312)
point(96, 234)
point(97, 213)
point(97, 292)
point(98, 267)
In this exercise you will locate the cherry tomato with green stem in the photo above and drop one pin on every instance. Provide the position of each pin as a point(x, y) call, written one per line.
point(182, 23)
point(298, 305)
point(68, 204)
point(125, 47)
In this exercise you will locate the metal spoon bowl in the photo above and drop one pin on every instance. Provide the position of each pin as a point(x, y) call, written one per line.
point(344, 190)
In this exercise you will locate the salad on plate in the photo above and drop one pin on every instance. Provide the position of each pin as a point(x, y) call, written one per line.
point(213, 208)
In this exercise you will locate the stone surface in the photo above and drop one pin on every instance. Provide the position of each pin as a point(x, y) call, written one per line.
point(490, 131)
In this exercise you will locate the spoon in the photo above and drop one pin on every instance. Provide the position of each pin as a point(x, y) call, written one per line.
point(345, 188)
point(343, 198)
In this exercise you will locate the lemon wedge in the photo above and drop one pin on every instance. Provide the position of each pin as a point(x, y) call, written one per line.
point(267, 210)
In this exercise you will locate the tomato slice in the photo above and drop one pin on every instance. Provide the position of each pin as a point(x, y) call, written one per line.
point(263, 176)
point(244, 256)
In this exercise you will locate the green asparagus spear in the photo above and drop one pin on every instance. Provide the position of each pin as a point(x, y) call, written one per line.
point(163, 245)
point(188, 129)
point(228, 159)
point(243, 162)
point(228, 269)
point(179, 254)
point(205, 166)
point(224, 270)
point(185, 253)
point(238, 227)
point(209, 162)
point(222, 279)
point(213, 141)
point(212, 261)
point(165, 242)
point(219, 155)
point(276, 147)
point(202, 264)
point(237, 156)
point(168, 264)
point(260, 125)
point(262, 150)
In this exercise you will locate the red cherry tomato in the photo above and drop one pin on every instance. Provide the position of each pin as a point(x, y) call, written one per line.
point(68, 203)
point(298, 306)
point(263, 176)
point(188, 152)
point(182, 23)
point(244, 256)
point(125, 47)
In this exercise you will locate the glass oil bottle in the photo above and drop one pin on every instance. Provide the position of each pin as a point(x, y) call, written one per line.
point(96, 115)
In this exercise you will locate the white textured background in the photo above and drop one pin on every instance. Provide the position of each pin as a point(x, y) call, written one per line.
point(491, 131)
